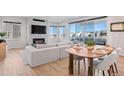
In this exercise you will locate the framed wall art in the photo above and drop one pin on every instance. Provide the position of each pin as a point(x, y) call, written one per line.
point(117, 27)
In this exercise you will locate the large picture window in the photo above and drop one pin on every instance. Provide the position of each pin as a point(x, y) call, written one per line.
point(101, 29)
point(76, 32)
point(79, 32)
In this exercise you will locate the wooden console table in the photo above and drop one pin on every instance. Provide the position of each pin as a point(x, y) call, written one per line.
point(2, 50)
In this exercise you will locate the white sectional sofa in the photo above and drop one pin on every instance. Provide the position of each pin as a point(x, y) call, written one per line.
point(62, 53)
point(35, 57)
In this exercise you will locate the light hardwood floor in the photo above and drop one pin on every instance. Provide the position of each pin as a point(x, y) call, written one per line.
point(13, 65)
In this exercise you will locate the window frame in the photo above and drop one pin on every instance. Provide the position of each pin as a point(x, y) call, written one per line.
point(54, 33)
point(10, 34)
point(59, 33)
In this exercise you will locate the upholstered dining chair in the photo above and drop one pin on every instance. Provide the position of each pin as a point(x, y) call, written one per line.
point(77, 61)
point(118, 50)
point(105, 64)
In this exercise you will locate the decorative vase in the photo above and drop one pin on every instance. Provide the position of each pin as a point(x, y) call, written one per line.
point(90, 47)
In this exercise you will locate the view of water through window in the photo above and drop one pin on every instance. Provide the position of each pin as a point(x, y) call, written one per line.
point(80, 31)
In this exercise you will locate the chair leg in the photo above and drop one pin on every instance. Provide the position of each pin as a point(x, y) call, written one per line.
point(113, 70)
point(116, 67)
point(109, 72)
point(98, 72)
point(78, 67)
point(84, 64)
point(75, 62)
point(88, 70)
point(94, 71)
point(75, 65)
point(103, 73)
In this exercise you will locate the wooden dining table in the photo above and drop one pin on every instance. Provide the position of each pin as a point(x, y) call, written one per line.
point(84, 52)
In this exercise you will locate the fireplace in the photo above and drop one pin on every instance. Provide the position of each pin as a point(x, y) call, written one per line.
point(38, 40)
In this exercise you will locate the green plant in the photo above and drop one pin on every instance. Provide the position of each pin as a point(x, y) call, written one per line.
point(90, 42)
point(2, 34)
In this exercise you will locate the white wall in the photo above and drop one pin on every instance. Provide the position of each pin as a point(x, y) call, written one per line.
point(116, 39)
point(21, 41)
point(30, 36)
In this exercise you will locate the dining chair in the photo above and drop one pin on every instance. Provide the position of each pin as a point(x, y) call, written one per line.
point(111, 67)
point(77, 60)
point(105, 64)
point(118, 50)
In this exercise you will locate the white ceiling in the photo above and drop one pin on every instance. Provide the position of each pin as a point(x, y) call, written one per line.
point(57, 19)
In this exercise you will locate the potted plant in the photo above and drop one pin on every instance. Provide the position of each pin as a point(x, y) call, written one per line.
point(90, 43)
point(2, 34)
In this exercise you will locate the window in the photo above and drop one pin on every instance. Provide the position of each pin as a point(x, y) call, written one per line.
point(12, 30)
point(62, 32)
point(16, 31)
point(101, 26)
point(76, 32)
point(78, 27)
point(72, 34)
point(72, 30)
point(88, 29)
point(100, 29)
point(79, 32)
point(53, 31)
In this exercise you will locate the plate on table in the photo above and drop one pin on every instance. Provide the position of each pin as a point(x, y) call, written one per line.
point(108, 48)
point(77, 47)
point(99, 47)
point(99, 52)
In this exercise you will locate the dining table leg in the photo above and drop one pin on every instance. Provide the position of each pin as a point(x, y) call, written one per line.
point(70, 64)
point(91, 70)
